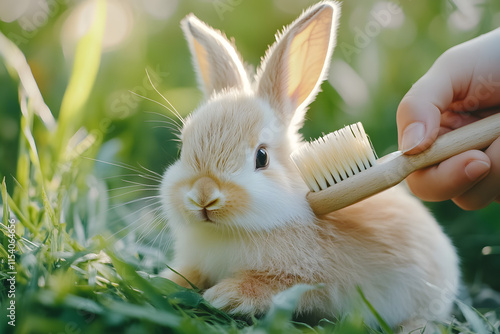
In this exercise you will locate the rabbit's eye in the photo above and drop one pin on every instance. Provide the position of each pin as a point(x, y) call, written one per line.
point(261, 158)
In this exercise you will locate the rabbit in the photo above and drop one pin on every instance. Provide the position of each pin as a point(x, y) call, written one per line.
point(242, 228)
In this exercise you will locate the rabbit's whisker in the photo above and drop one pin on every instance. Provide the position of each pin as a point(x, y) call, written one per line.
point(135, 222)
point(147, 198)
point(173, 110)
point(139, 190)
point(147, 177)
point(128, 167)
point(147, 187)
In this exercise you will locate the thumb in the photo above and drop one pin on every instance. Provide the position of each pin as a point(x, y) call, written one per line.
point(419, 113)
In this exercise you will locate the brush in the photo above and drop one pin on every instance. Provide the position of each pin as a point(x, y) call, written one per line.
point(341, 167)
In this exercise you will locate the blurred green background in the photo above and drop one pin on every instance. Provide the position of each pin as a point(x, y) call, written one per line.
point(382, 49)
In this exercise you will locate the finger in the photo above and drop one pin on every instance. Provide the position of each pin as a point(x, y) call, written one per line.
point(483, 89)
point(451, 178)
point(451, 120)
point(488, 189)
point(418, 115)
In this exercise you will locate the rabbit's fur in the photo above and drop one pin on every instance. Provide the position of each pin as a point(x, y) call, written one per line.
point(245, 233)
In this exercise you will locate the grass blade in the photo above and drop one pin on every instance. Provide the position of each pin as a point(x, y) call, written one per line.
point(383, 325)
point(143, 312)
point(5, 218)
point(472, 316)
point(85, 67)
point(5, 204)
point(130, 276)
point(277, 320)
point(20, 71)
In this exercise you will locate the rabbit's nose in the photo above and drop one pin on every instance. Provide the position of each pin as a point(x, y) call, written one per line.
point(204, 195)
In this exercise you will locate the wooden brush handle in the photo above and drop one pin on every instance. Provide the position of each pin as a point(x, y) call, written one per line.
point(395, 167)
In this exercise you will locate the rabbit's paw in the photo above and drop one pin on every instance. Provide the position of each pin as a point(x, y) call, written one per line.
point(247, 296)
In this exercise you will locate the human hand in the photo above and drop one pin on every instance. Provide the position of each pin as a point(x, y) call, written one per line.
point(462, 86)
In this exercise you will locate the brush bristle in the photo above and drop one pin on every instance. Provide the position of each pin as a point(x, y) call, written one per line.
point(334, 157)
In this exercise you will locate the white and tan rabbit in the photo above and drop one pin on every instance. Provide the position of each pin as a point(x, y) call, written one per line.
point(237, 206)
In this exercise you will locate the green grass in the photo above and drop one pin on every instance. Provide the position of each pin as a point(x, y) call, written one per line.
point(77, 275)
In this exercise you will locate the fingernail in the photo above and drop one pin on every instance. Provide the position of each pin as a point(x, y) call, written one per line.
point(476, 168)
point(412, 136)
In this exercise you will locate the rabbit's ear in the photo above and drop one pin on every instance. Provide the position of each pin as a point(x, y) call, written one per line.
point(297, 63)
point(218, 65)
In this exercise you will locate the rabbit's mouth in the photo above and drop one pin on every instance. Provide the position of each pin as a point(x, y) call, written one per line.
point(205, 215)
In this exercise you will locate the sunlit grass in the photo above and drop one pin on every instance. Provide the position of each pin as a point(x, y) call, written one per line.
point(72, 279)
